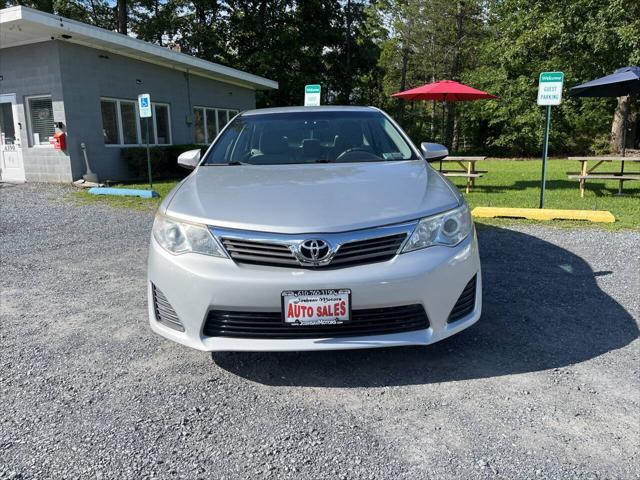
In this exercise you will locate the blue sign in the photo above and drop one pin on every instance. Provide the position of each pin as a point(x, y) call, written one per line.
point(144, 105)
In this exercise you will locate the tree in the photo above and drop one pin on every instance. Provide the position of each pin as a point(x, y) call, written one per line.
point(427, 42)
point(122, 16)
point(584, 38)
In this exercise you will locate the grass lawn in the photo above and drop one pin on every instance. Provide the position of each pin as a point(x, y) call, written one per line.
point(135, 203)
point(509, 183)
point(512, 183)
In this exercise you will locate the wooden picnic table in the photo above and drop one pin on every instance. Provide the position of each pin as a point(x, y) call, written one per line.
point(467, 169)
point(587, 172)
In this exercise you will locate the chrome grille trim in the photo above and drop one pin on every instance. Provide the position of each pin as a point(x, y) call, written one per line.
point(352, 248)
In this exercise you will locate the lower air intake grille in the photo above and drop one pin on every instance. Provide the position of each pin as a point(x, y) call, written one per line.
point(373, 321)
point(466, 303)
point(165, 314)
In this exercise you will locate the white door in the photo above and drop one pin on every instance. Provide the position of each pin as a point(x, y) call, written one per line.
point(11, 166)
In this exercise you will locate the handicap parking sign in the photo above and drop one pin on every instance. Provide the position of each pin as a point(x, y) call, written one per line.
point(144, 105)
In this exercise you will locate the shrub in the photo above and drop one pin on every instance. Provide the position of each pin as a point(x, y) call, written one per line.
point(601, 145)
point(164, 160)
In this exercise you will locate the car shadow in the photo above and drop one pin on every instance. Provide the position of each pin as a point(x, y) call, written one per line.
point(542, 309)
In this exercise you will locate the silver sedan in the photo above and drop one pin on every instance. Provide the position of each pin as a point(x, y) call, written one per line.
point(312, 228)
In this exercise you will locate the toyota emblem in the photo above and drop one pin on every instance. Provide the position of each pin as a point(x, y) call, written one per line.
point(314, 251)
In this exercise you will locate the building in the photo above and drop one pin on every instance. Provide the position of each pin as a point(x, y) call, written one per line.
point(59, 75)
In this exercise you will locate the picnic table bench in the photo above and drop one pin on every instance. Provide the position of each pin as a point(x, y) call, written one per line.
point(468, 171)
point(587, 173)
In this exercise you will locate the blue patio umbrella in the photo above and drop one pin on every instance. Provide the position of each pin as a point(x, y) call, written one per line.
point(624, 81)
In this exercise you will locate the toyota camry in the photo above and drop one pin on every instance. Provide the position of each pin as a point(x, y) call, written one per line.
point(312, 228)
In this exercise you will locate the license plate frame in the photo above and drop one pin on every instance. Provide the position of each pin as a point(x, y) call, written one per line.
point(339, 294)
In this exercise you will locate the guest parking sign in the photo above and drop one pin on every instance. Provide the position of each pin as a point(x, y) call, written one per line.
point(549, 94)
point(312, 96)
point(550, 88)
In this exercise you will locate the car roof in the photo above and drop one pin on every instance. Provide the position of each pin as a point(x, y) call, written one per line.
point(300, 109)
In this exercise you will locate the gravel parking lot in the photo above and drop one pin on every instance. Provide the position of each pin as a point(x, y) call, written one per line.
point(546, 385)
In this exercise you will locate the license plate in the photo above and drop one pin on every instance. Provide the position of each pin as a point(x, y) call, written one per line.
point(316, 307)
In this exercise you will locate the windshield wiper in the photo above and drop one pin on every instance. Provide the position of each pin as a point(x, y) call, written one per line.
point(236, 162)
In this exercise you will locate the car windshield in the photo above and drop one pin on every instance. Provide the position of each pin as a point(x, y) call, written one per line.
point(309, 137)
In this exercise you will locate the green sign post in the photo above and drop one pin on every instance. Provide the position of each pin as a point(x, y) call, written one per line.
point(549, 94)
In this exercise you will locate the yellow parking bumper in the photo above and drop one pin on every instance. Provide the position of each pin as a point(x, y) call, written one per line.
point(544, 214)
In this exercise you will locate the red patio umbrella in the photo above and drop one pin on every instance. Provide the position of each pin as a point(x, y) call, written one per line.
point(444, 91)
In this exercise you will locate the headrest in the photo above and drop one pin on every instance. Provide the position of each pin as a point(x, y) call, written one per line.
point(311, 148)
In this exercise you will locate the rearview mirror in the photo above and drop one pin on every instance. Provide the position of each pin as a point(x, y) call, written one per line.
point(433, 151)
point(189, 159)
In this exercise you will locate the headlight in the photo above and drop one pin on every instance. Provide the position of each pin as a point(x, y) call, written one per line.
point(448, 228)
point(180, 237)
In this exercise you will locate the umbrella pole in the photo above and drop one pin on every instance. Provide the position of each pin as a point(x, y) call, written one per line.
point(624, 141)
point(624, 126)
point(443, 133)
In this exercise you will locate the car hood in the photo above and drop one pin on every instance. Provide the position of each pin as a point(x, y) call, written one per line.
point(311, 198)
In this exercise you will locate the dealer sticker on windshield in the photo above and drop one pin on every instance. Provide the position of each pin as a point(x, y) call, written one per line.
point(316, 307)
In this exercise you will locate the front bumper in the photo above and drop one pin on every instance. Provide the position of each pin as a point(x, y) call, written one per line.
point(193, 284)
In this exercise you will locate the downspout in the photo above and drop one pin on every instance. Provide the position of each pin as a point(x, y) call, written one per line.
point(189, 117)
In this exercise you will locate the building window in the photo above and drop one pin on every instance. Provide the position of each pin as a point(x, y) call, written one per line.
point(41, 119)
point(7, 129)
point(163, 130)
point(198, 116)
point(212, 125)
point(122, 125)
point(209, 121)
point(129, 116)
point(110, 122)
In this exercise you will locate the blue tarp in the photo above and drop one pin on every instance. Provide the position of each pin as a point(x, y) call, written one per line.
point(624, 81)
point(123, 192)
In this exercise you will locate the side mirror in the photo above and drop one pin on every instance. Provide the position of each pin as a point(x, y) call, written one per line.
point(189, 159)
point(433, 151)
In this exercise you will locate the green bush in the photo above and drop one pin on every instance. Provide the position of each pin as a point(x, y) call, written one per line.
point(601, 145)
point(164, 160)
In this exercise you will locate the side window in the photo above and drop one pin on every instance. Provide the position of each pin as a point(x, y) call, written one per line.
point(198, 122)
point(212, 129)
point(109, 110)
point(121, 124)
point(41, 119)
point(129, 116)
point(209, 122)
point(222, 119)
point(162, 124)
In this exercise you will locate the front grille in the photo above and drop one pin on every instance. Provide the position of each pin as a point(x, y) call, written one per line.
point(269, 325)
point(165, 314)
point(371, 250)
point(260, 253)
point(348, 254)
point(466, 303)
